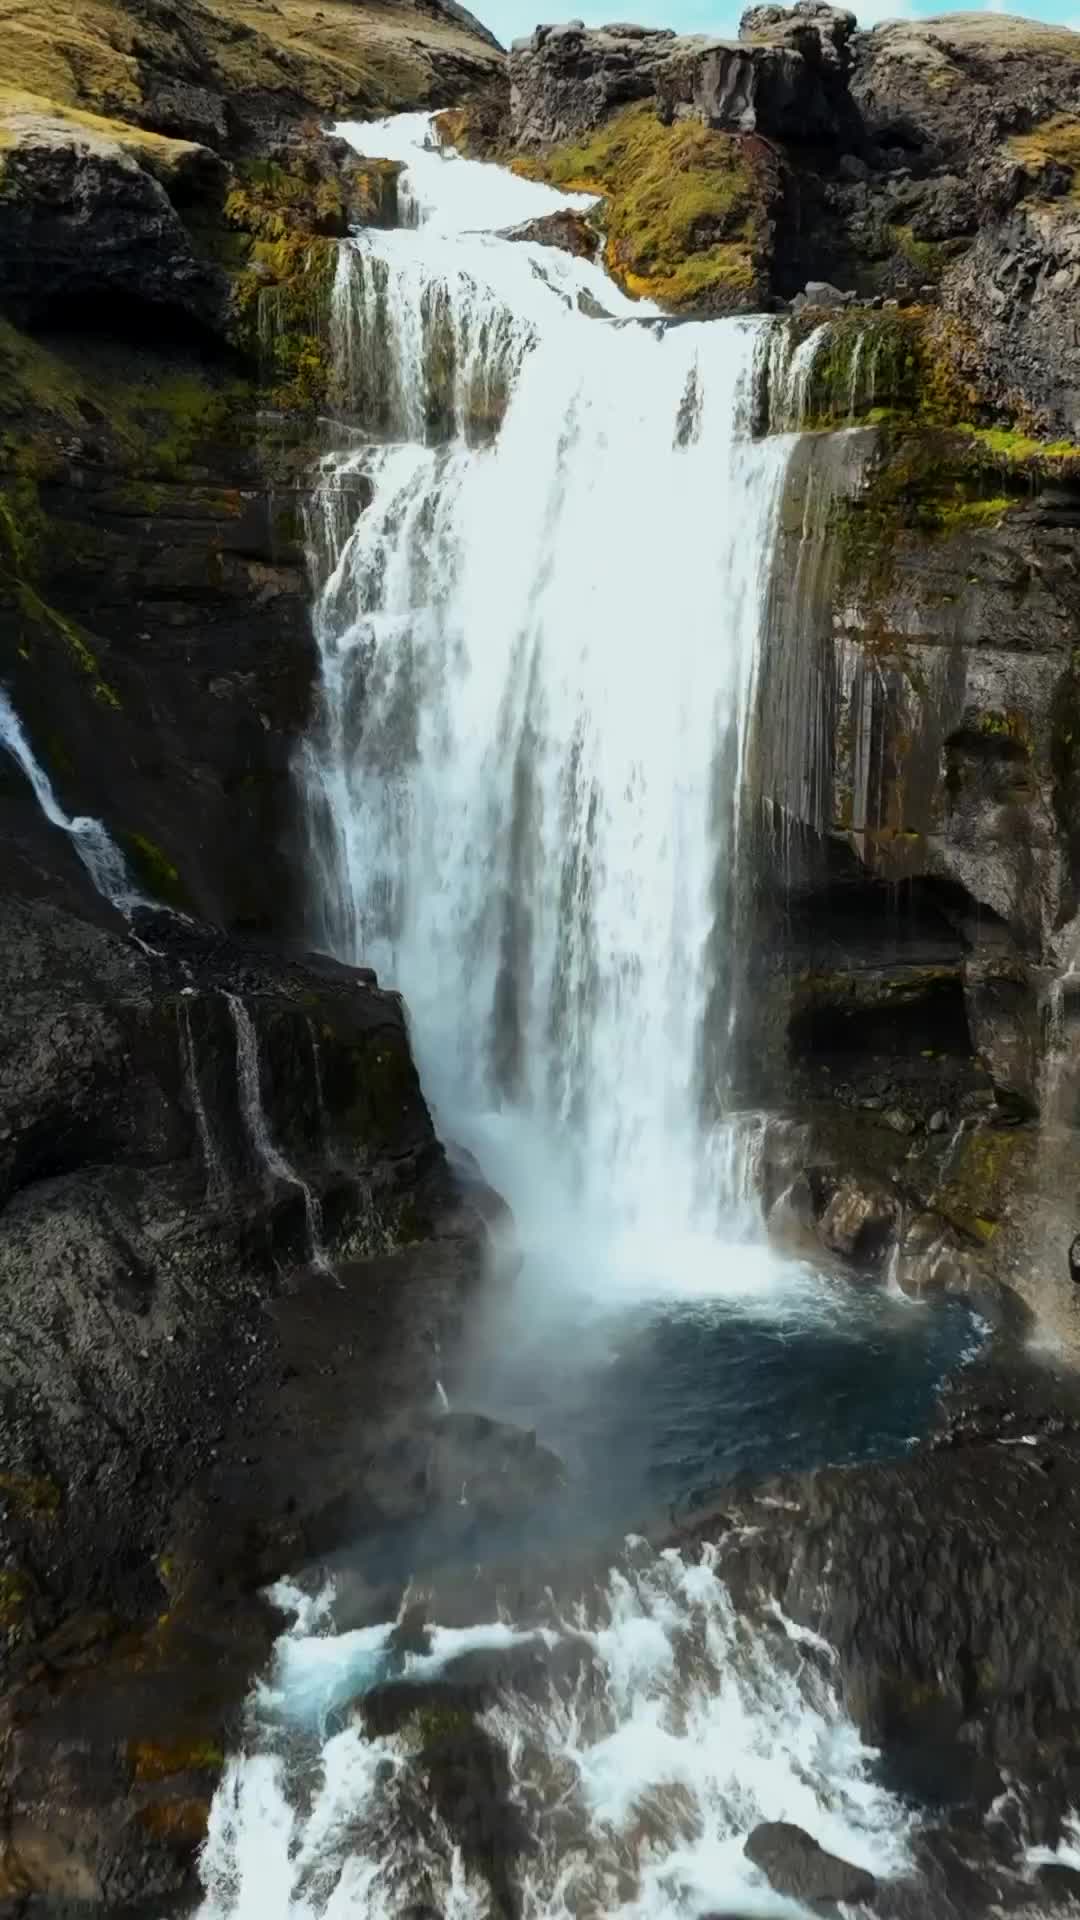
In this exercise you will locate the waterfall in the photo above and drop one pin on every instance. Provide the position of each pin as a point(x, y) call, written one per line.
point(544, 572)
point(215, 1173)
point(254, 1113)
point(539, 644)
point(98, 852)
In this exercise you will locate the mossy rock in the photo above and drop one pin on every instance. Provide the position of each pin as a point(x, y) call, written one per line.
point(1049, 146)
point(684, 207)
point(974, 1195)
point(917, 367)
point(153, 870)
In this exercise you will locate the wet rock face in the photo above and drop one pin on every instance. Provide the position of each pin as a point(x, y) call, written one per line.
point(795, 1865)
point(151, 1216)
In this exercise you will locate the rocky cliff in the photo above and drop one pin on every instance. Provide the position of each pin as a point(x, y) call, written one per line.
point(230, 1237)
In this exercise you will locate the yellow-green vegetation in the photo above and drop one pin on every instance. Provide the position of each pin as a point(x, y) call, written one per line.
point(104, 54)
point(32, 1494)
point(1053, 142)
point(927, 258)
point(14, 1598)
point(682, 213)
point(973, 1196)
point(914, 365)
point(23, 529)
point(24, 114)
point(286, 219)
point(153, 1760)
point(431, 1726)
point(922, 483)
point(154, 870)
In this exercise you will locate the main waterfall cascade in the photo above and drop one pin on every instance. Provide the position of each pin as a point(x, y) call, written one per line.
point(543, 562)
point(538, 663)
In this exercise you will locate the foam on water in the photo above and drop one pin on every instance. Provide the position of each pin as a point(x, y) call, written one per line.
point(687, 1733)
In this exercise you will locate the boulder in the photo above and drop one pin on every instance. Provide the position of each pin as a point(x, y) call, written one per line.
point(92, 207)
point(563, 80)
point(775, 90)
point(797, 1867)
point(566, 230)
point(859, 1219)
point(953, 84)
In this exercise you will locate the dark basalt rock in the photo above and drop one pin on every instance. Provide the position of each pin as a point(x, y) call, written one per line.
point(563, 80)
point(566, 230)
point(143, 1239)
point(82, 213)
point(795, 1865)
point(785, 77)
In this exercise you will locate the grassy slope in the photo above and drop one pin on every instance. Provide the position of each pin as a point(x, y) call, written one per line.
point(101, 54)
point(683, 205)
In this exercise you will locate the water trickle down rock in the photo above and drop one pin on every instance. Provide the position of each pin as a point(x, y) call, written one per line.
point(216, 1183)
point(90, 839)
point(254, 1113)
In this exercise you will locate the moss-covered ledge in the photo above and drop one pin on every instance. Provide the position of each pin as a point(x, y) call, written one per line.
point(684, 213)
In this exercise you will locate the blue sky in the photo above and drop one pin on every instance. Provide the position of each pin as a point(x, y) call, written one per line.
point(508, 18)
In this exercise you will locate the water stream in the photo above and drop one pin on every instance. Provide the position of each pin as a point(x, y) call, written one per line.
point(95, 847)
point(543, 559)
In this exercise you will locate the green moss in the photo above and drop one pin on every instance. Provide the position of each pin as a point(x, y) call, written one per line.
point(974, 1195)
point(153, 869)
point(683, 206)
point(23, 530)
point(923, 484)
point(927, 258)
point(30, 1493)
point(1053, 141)
point(14, 1597)
point(432, 1726)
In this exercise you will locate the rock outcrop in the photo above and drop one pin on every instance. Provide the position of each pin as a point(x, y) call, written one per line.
point(796, 1866)
point(933, 153)
point(785, 78)
point(187, 1122)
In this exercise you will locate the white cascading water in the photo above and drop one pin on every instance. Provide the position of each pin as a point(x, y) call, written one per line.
point(98, 852)
point(639, 1789)
point(538, 663)
point(268, 1155)
point(539, 642)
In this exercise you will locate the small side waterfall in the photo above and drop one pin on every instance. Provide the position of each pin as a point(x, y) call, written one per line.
point(251, 1106)
point(216, 1183)
point(98, 852)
